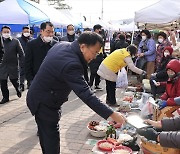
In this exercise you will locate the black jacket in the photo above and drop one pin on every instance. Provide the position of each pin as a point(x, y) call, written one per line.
point(161, 71)
point(24, 40)
point(61, 72)
point(35, 53)
point(13, 57)
point(1, 49)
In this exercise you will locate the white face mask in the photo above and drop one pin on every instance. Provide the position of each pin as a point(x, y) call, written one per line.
point(160, 40)
point(71, 32)
point(26, 34)
point(144, 38)
point(166, 54)
point(6, 35)
point(47, 39)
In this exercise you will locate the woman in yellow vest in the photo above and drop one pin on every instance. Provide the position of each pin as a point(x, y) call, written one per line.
point(112, 64)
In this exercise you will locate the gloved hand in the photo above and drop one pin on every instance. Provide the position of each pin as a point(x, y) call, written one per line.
point(162, 104)
point(148, 133)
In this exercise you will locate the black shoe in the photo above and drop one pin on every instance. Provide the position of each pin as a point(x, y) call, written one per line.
point(98, 88)
point(19, 93)
point(4, 100)
point(22, 87)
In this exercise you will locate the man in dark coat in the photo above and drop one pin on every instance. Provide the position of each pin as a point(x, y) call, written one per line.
point(37, 49)
point(94, 64)
point(71, 36)
point(12, 58)
point(61, 72)
point(24, 39)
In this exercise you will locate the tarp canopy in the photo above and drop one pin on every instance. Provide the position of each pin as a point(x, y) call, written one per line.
point(12, 13)
point(55, 16)
point(36, 16)
point(165, 13)
point(128, 27)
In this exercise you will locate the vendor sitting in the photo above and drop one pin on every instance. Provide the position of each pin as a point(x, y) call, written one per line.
point(168, 136)
point(172, 85)
point(161, 74)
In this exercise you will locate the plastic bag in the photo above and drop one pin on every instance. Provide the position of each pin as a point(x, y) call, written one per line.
point(147, 110)
point(122, 80)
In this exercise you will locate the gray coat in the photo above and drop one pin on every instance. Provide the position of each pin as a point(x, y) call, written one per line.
point(170, 137)
point(65, 38)
point(13, 53)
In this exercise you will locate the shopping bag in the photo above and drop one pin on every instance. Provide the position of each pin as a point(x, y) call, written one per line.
point(122, 80)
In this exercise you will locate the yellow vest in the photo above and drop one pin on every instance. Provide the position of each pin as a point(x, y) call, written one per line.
point(115, 61)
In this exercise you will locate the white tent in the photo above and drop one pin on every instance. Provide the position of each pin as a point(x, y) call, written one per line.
point(128, 27)
point(14, 14)
point(165, 13)
point(55, 16)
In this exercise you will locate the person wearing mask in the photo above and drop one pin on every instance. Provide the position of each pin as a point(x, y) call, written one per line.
point(94, 64)
point(24, 39)
point(71, 36)
point(112, 64)
point(61, 72)
point(162, 43)
point(172, 85)
point(147, 50)
point(37, 49)
point(121, 42)
point(9, 65)
point(161, 75)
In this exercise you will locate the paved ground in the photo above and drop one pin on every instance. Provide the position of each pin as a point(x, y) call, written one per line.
point(18, 128)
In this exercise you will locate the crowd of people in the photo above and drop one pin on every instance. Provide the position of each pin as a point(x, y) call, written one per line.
point(54, 65)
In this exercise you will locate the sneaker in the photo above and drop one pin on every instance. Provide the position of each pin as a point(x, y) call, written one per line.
point(98, 88)
point(4, 100)
point(22, 87)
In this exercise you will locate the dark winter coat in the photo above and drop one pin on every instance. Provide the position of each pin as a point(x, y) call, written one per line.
point(24, 40)
point(170, 137)
point(61, 72)
point(13, 53)
point(1, 49)
point(35, 53)
point(69, 38)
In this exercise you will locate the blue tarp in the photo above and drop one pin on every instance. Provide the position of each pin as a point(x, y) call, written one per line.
point(36, 16)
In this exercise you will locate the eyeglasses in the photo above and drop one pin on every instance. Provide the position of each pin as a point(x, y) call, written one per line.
point(93, 53)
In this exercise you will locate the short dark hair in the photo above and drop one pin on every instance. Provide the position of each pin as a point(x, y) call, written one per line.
point(146, 32)
point(69, 25)
point(132, 49)
point(122, 37)
point(25, 27)
point(44, 24)
point(90, 38)
point(162, 34)
point(5, 27)
point(98, 26)
point(87, 29)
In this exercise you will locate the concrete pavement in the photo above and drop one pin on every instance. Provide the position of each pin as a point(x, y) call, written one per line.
point(18, 128)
